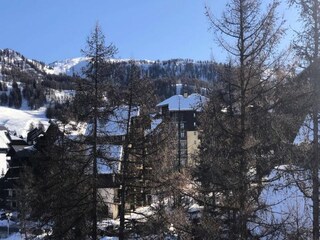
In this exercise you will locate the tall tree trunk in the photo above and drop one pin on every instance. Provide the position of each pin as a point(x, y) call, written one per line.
point(242, 135)
point(124, 170)
point(315, 178)
point(315, 160)
point(95, 170)
point(93, 89)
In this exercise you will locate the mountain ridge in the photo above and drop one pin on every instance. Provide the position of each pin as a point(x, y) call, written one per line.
point(181, 68)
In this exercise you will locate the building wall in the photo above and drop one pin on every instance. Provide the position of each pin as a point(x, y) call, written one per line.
point(4, 148)
point(184, 117)
point(3, 164)
point(12, 199)
point(193, 143)
point(188, 118)
point(109, 197)
point(187, 136)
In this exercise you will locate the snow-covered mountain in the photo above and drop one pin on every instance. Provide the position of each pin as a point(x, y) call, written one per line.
point(69, 66)
point(74, 65)
point(12, 61)
point(181, 68)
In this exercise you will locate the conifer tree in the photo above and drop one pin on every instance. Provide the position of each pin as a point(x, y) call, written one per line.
point(238, 145)
point(96, 87)
point(146, 166)
point(54, 187)
point(136, 100)
point(307, 48)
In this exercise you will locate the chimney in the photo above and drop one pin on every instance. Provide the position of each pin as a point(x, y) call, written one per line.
point(185, 94)
point(185, 91)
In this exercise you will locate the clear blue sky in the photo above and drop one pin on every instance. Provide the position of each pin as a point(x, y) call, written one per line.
point(50, 30)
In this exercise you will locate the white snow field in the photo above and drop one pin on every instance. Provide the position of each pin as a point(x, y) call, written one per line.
point(289, 211)
point(19, 121)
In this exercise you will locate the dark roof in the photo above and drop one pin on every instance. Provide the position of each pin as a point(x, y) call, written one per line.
point(5, 183)
point(18, 148)
point(24, 153)
point(20, 142)
point(34, 134)
point(3, 128)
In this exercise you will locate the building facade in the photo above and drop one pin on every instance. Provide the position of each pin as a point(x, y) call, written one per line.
point(183, 112)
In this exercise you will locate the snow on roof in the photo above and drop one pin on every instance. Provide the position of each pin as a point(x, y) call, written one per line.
point(192, 102)
point(15, 138)
point(115, 125)
point(111, 161)
point(195, 208)
point(155, 122)
point(305, 133)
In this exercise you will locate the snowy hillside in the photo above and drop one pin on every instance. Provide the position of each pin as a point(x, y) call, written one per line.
point(14, 61)
point(75, 65)
point(14, 67)
point(68, 66)
point(187, 68)
point(19, 121)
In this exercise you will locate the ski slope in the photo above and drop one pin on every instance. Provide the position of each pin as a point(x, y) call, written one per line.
point(19, 121)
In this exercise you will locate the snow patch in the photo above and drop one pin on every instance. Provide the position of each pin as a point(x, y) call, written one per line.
point(19, 121)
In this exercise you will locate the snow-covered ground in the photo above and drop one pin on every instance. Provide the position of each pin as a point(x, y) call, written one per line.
point(19, 121)
point(60, 96)
point(14, 236)
point(288, 209)
point(305, 134)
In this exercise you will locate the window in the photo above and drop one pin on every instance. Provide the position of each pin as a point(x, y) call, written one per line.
point(183, 144)
point(182, 134)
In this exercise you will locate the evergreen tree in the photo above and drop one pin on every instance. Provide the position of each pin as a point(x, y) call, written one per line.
point(3, 99)
point(238, 145)
point(136, 99)
point(15, 97)
point(60, 186)
point(146, 166)
point(96, 87)
point(307, 48)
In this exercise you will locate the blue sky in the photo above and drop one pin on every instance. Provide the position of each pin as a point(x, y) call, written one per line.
point(50, 30)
